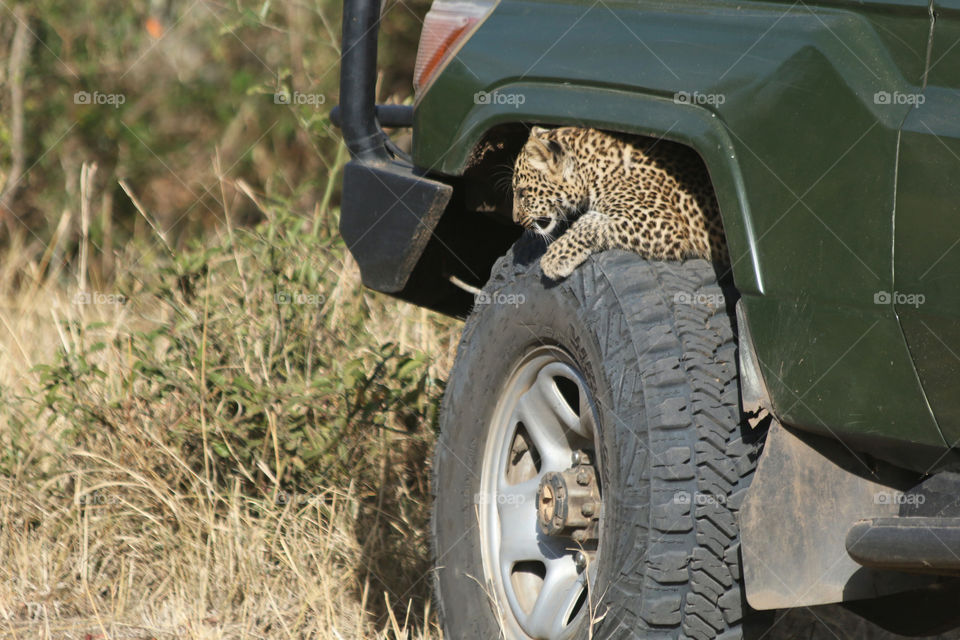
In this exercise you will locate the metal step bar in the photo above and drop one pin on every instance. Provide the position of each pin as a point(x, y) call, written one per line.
point(909, 544)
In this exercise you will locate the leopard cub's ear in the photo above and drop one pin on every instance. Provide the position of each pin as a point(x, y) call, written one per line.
point(538, 132)
point(551, 157)
point(545, 154)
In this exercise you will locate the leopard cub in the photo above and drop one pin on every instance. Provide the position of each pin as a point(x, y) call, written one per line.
point(651, 197)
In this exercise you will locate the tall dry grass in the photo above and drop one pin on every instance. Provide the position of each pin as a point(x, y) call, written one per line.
point(208, 428)
point(176, 465)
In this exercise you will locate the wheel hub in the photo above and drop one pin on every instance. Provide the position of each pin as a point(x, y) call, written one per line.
point(540, 502)
point(568, 502)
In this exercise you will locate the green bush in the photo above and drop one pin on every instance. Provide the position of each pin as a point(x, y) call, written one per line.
point(258, 354)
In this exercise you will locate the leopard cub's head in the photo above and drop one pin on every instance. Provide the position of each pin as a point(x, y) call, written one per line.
point(547, 188)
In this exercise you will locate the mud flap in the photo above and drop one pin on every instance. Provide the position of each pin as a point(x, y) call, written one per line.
point(807, 493)
point(388, 214)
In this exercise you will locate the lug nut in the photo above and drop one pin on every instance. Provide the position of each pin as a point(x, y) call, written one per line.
point(583, 477)
point(580, 457)
point(588, 509)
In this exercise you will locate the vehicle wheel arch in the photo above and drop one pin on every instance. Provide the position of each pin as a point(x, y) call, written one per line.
point(656, 116)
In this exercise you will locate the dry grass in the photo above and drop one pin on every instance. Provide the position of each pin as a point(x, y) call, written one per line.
point(149, 565)
point(202, 461)
point(111, 527)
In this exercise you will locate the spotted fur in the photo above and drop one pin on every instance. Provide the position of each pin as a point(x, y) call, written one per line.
point(651, 197)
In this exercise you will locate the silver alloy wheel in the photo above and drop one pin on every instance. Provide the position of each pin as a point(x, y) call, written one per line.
point(544, 415)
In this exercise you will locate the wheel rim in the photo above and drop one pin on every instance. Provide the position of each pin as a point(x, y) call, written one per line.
point(544, 420)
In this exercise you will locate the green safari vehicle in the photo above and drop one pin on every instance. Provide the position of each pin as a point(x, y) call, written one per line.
point(678, 449)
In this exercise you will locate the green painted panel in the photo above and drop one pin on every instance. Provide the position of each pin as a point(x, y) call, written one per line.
point(812, 352)
point(796, 109)
point(927, 254)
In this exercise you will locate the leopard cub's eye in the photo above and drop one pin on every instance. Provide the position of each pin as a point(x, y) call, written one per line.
point(521, 192)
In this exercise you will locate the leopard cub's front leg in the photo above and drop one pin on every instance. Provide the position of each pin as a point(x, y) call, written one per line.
point(585, 236)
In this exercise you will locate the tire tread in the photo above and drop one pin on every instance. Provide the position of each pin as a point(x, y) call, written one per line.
point(678, 574)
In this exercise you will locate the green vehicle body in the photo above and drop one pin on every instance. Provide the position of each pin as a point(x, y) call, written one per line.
point(831, 134)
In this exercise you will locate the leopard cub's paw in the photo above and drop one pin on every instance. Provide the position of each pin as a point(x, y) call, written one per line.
point(556, 265)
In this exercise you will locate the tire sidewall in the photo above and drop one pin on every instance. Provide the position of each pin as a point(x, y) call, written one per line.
point(496, 337)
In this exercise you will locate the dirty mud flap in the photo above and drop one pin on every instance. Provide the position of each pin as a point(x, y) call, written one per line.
point(388, 214)
point(807, 493)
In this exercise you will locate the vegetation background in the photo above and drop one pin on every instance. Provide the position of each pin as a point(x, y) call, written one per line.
point(208, 429)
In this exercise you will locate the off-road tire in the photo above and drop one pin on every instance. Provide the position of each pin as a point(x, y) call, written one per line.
point(656, 343)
